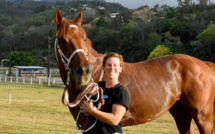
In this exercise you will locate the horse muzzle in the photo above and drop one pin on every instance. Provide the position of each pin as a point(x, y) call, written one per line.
point(82, 75)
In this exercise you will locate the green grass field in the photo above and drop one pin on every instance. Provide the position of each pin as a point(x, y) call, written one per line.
point(36, 110)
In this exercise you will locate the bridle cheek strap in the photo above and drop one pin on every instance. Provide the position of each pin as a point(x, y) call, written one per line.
point(66, 61)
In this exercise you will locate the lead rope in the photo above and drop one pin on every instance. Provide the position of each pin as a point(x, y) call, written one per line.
point(63, 58)
point(88, 100)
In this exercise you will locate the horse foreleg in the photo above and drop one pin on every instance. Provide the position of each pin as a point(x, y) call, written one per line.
point(182, 119)
point(203, 119)
point(213, 130)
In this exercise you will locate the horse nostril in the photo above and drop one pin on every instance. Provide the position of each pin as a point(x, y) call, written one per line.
point(80, 71)
point(83, 70)
point(88, 71)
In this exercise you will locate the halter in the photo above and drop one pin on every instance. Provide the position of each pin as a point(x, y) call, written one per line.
point(66, 61)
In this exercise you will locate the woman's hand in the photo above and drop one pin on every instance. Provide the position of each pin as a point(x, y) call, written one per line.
point(86, 107)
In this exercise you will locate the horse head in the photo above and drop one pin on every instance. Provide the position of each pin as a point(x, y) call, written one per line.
point(72, 49)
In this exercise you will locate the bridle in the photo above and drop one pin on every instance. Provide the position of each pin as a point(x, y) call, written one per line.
point(66, 61)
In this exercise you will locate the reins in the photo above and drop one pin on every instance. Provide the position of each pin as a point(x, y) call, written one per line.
point(66, 61)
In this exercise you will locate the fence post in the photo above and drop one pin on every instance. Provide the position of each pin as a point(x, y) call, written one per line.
point(10, 79)
point(0, 78)
point(53, 81)
point(23, 80)
point(31, 80)
point(39, 81)
point(9, 97)
point(48, 81)
point(17, 79)
point(5, 79)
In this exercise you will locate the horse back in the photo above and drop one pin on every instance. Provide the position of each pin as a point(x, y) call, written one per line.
point(166, 79)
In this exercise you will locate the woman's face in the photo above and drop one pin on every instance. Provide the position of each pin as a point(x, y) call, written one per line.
point(112, 68)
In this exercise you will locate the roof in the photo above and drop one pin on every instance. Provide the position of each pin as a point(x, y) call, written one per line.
point(29, 67)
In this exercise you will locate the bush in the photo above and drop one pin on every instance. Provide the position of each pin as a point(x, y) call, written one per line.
point(101, 22)
point(207, 36)
point(20, 58)
point(159, 51)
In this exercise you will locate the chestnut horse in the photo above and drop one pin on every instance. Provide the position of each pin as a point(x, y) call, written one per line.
point(180, 84)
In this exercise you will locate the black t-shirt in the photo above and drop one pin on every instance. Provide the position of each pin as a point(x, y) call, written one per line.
point(114, 95)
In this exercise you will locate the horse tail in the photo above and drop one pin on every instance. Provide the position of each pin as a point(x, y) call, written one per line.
point(212, 66)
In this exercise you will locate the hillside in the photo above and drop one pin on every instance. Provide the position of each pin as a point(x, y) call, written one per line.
point(32, 22)
point(110, 27)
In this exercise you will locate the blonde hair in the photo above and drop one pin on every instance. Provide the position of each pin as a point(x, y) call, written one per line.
point(112, 54)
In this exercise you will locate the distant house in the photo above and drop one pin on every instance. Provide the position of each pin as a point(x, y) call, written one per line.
point(113, 15)
point(29, 71)
point(73, 9)
point(101, 8)
point(85, 7)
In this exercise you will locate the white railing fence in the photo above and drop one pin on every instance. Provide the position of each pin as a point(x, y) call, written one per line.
point(31, 80)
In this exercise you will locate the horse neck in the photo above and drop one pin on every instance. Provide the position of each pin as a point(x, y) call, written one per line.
point(95, 61)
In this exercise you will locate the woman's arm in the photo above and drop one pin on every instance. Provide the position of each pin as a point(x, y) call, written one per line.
point(113, 118)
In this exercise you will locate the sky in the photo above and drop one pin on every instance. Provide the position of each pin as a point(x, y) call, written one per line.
point(133, 4)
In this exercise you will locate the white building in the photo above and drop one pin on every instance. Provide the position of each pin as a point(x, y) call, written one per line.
point(29, 71)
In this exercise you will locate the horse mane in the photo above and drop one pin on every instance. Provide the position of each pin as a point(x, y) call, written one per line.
point(91, 49)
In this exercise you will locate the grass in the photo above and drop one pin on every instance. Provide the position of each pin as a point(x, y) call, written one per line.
point(36, 110)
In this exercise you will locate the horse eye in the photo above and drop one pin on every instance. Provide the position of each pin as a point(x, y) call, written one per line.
point(63, 42)
point(84, 37)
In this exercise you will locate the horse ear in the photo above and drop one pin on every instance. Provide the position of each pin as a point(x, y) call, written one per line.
point(79, 18)
point(58, 17)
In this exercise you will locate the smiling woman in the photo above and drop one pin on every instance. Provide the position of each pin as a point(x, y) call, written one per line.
point(112, 65)
point(115, 96)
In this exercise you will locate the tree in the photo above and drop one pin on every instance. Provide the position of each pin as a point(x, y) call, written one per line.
point(175, 44)
point(41, 8)
point(207, 36)
point(159, 51)
point(153, 40)
point(104, 12)
point(127, 16)
point(103, 39)
point(180, 3)
point(181, 29)
point(116, 23)
point(203, 2)
point(171, 40)
point(88, 15)
point(131, 43)
point(101, 22)
point(19, 58)
point(185, 3)
point(188, 2)
point(204, 47)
